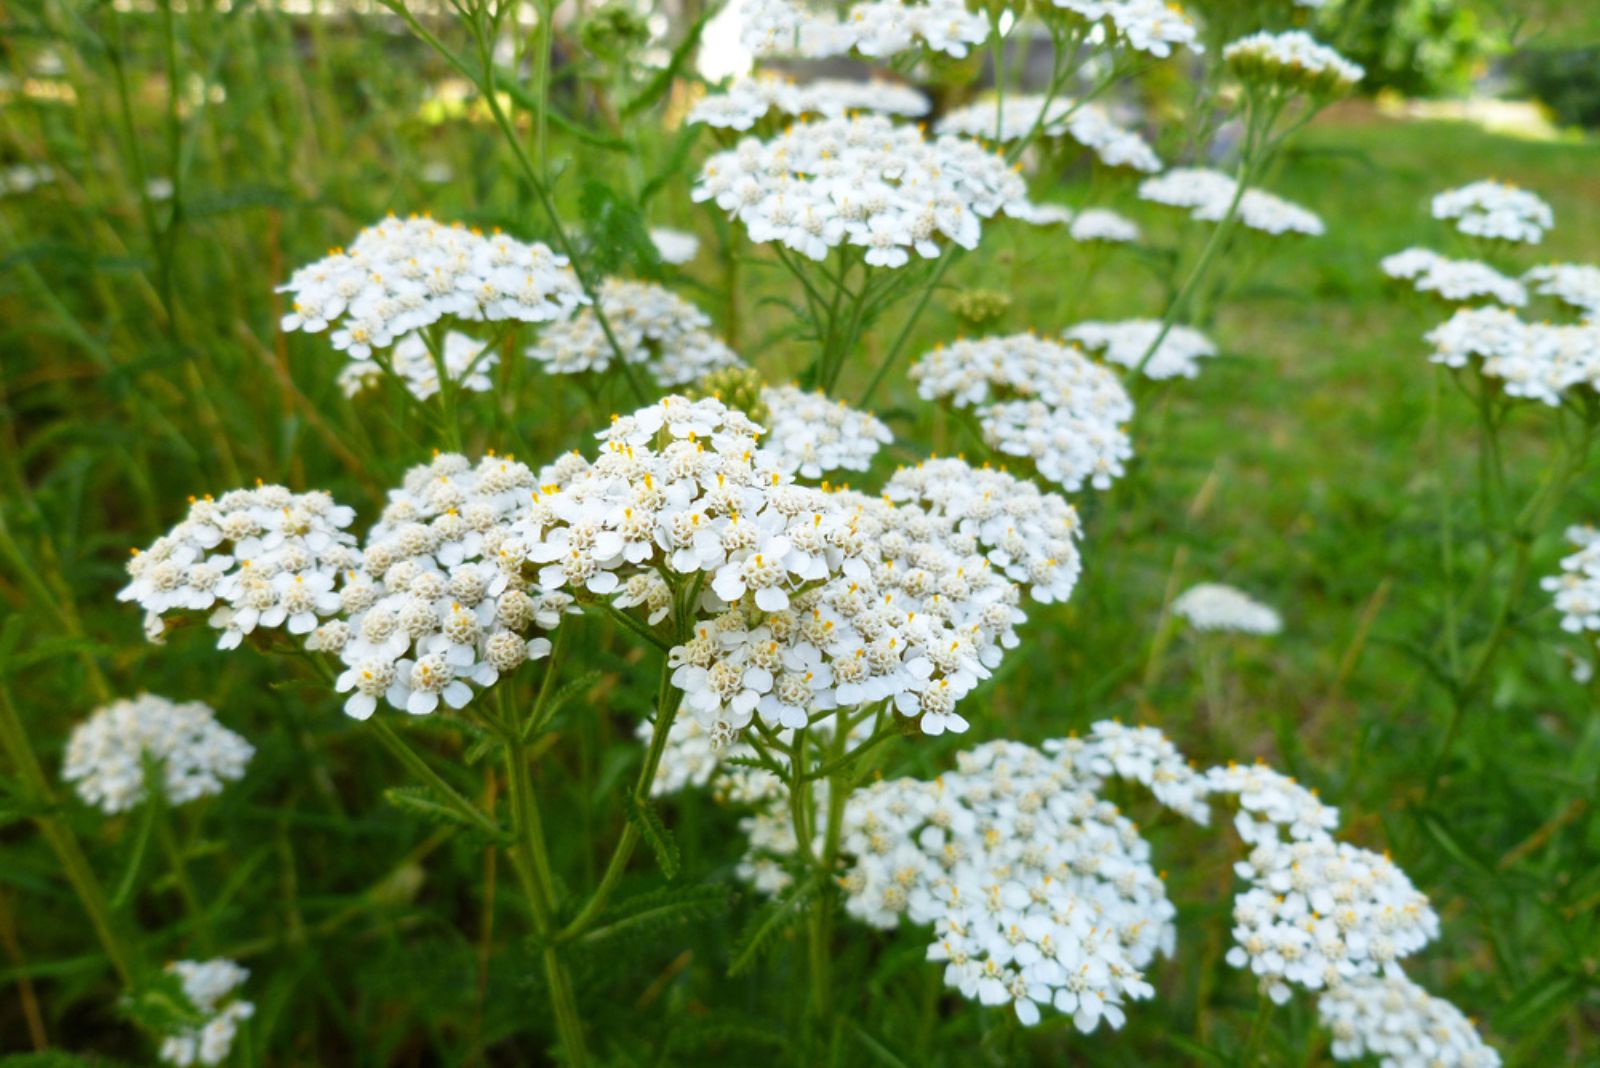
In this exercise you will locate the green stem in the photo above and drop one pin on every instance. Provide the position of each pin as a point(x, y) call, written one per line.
point(428, 777)
point(180, 871)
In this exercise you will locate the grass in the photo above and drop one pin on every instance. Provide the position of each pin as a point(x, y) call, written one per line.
point(142, 364)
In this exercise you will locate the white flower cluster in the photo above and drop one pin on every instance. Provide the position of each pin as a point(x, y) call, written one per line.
point(1496, 210)
point(441, 600)
point(653, 326)
point(1538, 361)
point(1208, 194)
point(1576, 285)
point(1125, 343)
point(1089, 124)
point(1036, 399)
point(748, 100)
point(1151, 26)
point(862, 181)
point(1294, 59)
point(207, 985)
point(1099, 224)
point(810, 435)
point(1319, 913)
point(1211, 606)
point(106, 754)
point(675, 247)
point(1029, 535)
point(1402, 1025)
point(1577, 587)
point(690, 758)
point(262, 557)
point(1459, 281)
point(404, 275)
point(467, 363)
point(875, 28)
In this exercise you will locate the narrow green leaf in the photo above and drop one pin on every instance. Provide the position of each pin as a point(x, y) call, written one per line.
point(772, 920)
point(643, 815)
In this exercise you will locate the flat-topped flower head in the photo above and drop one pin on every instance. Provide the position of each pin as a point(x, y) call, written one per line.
point(107, 753)
point(1496, 210)
point(1101, 224)
point(1039, 400)
point(1052, 118)
point(861, 182)
point(1211, 606)
point(654, 327)
point(747, 100)
point(1154, 27)
point(1577, 285)
point(262, 558)
point(1295, 60)
point(1457, 281)
point(1392, 1019)
point(877, 29)
point(1208, 195)
point(1537, 361)
point(810, 435)
point(1126, 343)
point(468, 363)
point(399, 276)
point(1576, 590)
point(209, 986)
point(675, 247)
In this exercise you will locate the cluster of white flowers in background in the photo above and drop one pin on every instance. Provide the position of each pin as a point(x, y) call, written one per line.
point(1126, 343)
point(809, 435)
point(1150, 26)
point(862, 181)
point(402, 275)
point(1100, 224)
point(748, 100)
point(1459, 281)
point(877, 29)
point(1402, 1025)
point(1577, 587)
point(1036, 399)
point(675, 247)
point(261, 558)
point(208, 986)
point(106, 755)
point(1017, 117)
point(654, 328)
point(467, 363)
point(1208, 195)
point(1294, 59)
point(1212, 606)
point(1538, 361)
point(1496, 210)
point(1576, 285)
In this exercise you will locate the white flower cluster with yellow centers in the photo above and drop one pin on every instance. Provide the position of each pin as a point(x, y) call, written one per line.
point(862, 181)
point(877, 29)
point(1496, 210)
point(1089, 124)
point(257, 558)
point(1211, 606)
point(1577, 587)
point(1295, 59)
point(1151, 26)
point(1036, 399)
point(208, 985)
point(1458, 281)
point(1125, 344)
point(106, 754)
point(654, 327)
point(675, 247)
point(1396, 1021)
point(402, 275)
point(467, 363)
point(1208, 194)
point(1576, 285)
point(809, 435)
point(1100, 224)
point(748, 100)
point(1538, 361)
point(441, 600)
point(1030, 535)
